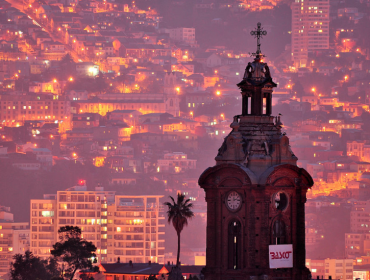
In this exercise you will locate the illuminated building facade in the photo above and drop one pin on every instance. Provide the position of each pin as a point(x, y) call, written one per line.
point(310, 29)
point(338, 269)
point(15, 109)
point(14, 239)
point(119, 226)
point(143, 103)
point(43, 219)
point(135, 230)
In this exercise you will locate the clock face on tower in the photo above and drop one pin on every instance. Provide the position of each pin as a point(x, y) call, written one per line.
point(233, 201)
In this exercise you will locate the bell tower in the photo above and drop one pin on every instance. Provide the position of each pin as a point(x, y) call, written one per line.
point(256, 193)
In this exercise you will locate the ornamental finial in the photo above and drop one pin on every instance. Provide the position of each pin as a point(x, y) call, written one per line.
point(258, 33)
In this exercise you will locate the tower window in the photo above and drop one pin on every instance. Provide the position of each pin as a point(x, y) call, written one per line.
point(278, 232)
point(280, 200)
point(235, 245)
point(249, 105)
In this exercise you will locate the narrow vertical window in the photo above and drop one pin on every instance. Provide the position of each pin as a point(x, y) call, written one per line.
point(234, 232)
point(278, 232)
point(264, 106)
point(249, 105)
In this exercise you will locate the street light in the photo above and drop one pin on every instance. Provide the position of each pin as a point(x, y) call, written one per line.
point(218, 92)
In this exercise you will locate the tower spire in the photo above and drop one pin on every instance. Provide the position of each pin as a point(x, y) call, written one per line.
point(258, 33)
point(256, 86)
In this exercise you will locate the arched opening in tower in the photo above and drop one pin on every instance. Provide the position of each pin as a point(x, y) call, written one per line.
point(234, 237)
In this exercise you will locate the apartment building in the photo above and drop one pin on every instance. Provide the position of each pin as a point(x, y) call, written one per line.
point(317, 268)
point(43, 230)
point(360, 219)
point(15, 109)
point(357, 242)
point(310, 29)
point(186, 35)
point(135, 229)
point(127, 227)
point(14, 239)
point(356, 148)
point(175, 162)
point(338, 269)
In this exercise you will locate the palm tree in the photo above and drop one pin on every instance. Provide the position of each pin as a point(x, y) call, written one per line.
point(178, 213)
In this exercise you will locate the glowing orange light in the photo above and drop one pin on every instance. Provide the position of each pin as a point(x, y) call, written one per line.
point(218, 92)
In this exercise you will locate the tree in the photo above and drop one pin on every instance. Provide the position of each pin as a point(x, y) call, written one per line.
point(178, 213)
point(100, 84)
point(73, 250)
point(30, 267)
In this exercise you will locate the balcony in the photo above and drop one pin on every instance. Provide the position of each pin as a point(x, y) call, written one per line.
point(128, 238)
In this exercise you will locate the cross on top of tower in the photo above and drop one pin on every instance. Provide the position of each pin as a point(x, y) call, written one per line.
point(258, 33)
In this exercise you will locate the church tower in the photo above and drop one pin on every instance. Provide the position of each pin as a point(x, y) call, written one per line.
point(171, 98)
point(256, 193)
